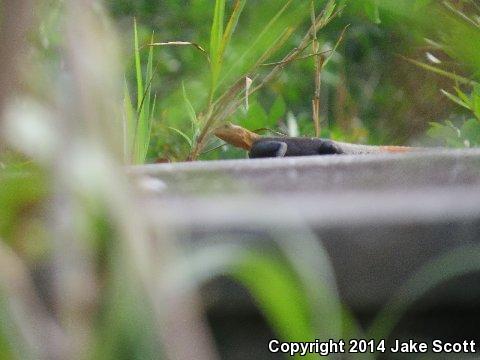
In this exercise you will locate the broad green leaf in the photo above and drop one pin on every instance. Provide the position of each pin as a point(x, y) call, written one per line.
point(476, 101)
point(277, 111)
point(256, 117)
point(372, 11)
point(447, 133)
point(471, 131)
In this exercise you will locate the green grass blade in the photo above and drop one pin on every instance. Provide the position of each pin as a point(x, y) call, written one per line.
point(464, 97)
point(475, 101)
point(266, 29)
point(138, 65)
point(270, 37)
point(182, 43)
point(150, 125)
point(339, 40)
point(372, 11)
point(190, 110)
point(145, 115)
point(455, 99)
point(232, 24)
point(456, 263)
point(279, 295)
point(129, 125)
point(144, 112)
point(327, 13)
point(216, 36)
point(183, 135)
point(148, 82)
point(447, 74)
point(270, 279)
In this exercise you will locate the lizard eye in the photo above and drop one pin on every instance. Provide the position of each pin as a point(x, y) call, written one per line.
point(263, 149)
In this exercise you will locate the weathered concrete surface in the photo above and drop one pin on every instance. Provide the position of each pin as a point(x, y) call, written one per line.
point(377, 215)
point(320, 174)
point(380, 218)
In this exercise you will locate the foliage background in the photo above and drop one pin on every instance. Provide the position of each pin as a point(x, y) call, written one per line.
point(68, 210)
point(370, 94)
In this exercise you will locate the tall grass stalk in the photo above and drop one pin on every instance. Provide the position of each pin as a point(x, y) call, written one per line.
point(223, 106)
point(138, 121)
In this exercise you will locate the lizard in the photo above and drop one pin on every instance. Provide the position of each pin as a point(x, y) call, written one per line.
point(262, 147)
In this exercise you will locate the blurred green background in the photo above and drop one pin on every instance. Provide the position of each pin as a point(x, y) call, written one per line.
point(370, 93)
point(68, 208)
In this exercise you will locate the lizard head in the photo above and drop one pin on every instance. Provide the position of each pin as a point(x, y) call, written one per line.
point(236, 135)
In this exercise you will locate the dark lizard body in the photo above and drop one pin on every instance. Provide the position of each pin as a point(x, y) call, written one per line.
point(262, 147)
point(296, 146)
point(292, 146)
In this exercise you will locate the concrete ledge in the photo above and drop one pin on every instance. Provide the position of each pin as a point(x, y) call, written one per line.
point(380, 218)
point(321, 173)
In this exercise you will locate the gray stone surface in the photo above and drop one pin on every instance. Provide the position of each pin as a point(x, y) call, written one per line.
point(320, 174)
point(380, 218)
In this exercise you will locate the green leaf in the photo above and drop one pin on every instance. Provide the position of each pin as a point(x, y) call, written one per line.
point(126, 329)
point(256, 117)
point(448, 134)
point(18, 189)
point(183, 135)
point(138, 137)
point(464, 97)
point(138, 65)
point(130, 122)
point(372, 11)
point(146, 97)
point(232, 24)
point(476, 101)
point(147, 143)
point(328, 12)
point(277, 111)
point(216, 37)
point(145, 117)
point(447, 74)
point(190, 110)
point(471, 131)
point(272, 36)
point(279, 295)
point(455, 99)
